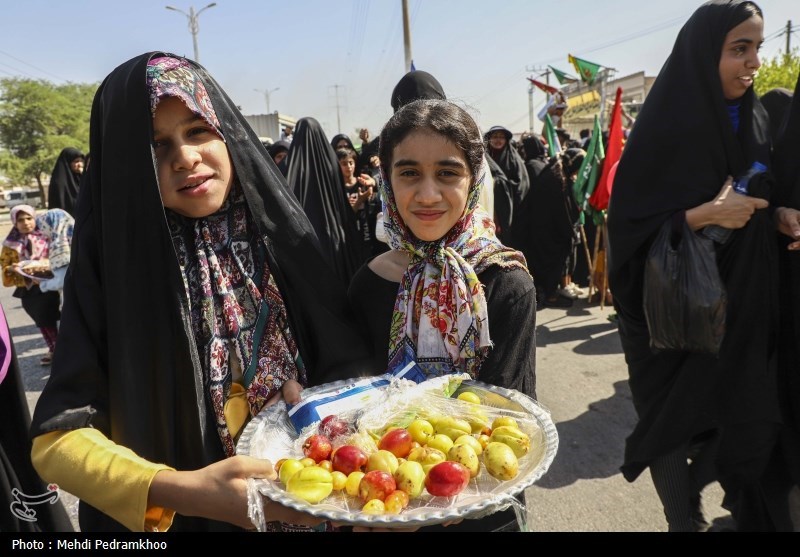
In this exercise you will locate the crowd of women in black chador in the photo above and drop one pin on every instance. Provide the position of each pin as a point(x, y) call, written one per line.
point(545, 220)
point(704, 418)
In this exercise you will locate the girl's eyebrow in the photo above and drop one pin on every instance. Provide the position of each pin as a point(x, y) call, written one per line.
point(185, 121)
point(455, 163)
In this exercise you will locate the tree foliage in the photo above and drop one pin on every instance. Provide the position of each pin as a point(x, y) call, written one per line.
point(780, 71)
point(37, 120)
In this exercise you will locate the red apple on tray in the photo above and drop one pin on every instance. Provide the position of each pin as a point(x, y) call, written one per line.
point(348, 458)
point(333, 427)
point(397, 441)
point(447, 479)
point(376, 484)
point(317, 447)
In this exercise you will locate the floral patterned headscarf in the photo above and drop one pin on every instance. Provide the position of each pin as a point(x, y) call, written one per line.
point(440, 317)
point(174, 77)
point(238, 314)
point(29, 246)
point(56, 226)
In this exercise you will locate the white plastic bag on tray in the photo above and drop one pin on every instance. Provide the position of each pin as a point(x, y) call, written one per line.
point(272, 436)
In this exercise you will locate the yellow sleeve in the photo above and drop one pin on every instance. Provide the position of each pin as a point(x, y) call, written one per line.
point(110, 477)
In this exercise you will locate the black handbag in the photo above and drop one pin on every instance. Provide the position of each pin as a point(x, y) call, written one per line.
point(684, 297)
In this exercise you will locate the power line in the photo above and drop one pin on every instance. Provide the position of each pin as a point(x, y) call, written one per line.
point(19, 71)
point(32, 66)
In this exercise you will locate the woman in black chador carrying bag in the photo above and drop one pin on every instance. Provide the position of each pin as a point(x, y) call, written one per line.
point(701, 125)
point(196, 295)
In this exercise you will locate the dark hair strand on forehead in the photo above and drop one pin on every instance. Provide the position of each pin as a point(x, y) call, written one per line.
point(441, 117)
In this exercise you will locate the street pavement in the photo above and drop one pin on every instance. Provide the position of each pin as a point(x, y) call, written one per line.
point(581, 379)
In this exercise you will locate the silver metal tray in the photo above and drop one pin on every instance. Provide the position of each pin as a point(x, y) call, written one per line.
point(271, 435)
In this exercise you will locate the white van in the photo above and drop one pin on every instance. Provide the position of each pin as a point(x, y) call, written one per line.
point(18, 196)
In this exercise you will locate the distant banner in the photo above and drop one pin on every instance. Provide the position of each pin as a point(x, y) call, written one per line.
point(562, 77)
point(587, 70)
point(549, 89)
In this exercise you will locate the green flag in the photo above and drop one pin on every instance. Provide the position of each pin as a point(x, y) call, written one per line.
point(550, 136)
point(587, 70)
point(589, 172)
point(562, 77)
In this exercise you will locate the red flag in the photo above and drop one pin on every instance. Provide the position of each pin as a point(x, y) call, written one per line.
point(549, 89)
point(602, 192)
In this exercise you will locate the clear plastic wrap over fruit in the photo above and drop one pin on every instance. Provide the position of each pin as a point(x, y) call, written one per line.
point(524, 426)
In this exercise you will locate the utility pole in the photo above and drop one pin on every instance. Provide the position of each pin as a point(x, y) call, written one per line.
point(267, 93)
point(541, 71)
point(788, 37)
point(338, 118)
point(604, 74)
point(407, 36)
point(194, 27)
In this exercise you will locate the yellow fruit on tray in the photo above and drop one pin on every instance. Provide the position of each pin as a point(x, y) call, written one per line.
point(518, 440)
point(396, 501)
point(352, 483)
point(312, 484)
point(471, 441)
point(410, 478)
point(374, 506)
point(382, 460)
point(469, 396)
point(504, 420)
point(339, 480)
point(289, 467)
point(452, 427)
point(421, 431)
point(465, 455)
point(440, 442)
point(500, 461)
point(427, 456)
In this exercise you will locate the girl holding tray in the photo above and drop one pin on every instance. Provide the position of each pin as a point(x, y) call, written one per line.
point(448, 296)
point(196, 296)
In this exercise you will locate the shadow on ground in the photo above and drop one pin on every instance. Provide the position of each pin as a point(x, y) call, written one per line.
point(29, 351)
point(590, 446)
point(598, 338)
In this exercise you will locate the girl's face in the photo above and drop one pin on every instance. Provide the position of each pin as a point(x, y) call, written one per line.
point(430, 181)
point(348, 166)
point(25, 223)
point(739, 61)
point(195, 172)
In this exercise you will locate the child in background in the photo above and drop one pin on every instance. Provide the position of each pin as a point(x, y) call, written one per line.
point(25, 242)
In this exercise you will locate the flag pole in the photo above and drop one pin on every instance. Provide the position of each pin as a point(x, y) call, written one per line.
point(605, 266)
point(584, 241)
point(593, 263)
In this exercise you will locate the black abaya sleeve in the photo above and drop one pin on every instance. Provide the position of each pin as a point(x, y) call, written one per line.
point(511, 298)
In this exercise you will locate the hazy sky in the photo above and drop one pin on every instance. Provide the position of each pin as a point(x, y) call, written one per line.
point(480, 51)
